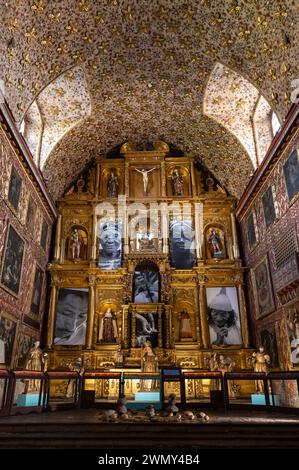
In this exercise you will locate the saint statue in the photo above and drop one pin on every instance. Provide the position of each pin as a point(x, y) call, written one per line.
point(185, 331)
point(144, 173)
point(34, 362)
point(77, 366)
point(260, 361)
point(108, 327)
point(215, 245)
point(77, 244)
point(149, 363)
point(177, 183)
point(112, 185)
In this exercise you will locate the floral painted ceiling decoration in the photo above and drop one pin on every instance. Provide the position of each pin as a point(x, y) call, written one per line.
point(235, 103)
point(141, 71)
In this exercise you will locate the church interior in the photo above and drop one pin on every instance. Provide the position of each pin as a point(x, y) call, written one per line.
point(149, 230)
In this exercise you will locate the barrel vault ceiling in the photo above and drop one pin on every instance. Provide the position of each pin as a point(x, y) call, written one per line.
point(104, 72)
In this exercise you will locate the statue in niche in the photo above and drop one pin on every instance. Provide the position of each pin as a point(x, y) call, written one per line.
point(215, 244)
point(177, 183)
point(149, 363)
point(77, 244)
point(108, 327)
point(77, 366)
point(185, 331)
point(112, 185)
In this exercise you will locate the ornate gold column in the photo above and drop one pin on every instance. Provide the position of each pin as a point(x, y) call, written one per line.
point(193, 182)
point(243, 314)
point(165, 228)
point(197, 322)
point(125, 327)
point(203, 316)
point(51, 318)
point(168, 326)
point(57, 239)
point(198, 220)
point(163, 179)
point(127, 176)
point(122, 214)
point(94, 237)
point(133, 333)
point(235, 237)
point(160, 339)
point(91, 312)
point(97, 182)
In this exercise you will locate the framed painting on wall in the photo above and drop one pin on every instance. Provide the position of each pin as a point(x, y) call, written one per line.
point(44, 235)
point(110, 244)
point(269, 342)
point(262, 285)
point(252, 230)
point(291, 174)
point(269, 206)
point(25, 344)
point(7, 338)
point(14, 190)
point(146, 328)
point(37, 290)
point(182, 244)
point(12, 261)
point(30, 216)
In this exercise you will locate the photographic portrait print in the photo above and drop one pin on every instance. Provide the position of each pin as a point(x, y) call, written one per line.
point(110, 244)
point(251, 230)
point(263, 289)
point(13, 261)
point(37, 290)
point(223, 316)
point(14, 191)
point(25, 344)
point(269, 206)
point(44, 235)
point(7, 337)
point(182, 244)
point(71, 316)
point(146, 329)
point(291, 174)
point(268, 341)
point(146, 286)
point(30, 216)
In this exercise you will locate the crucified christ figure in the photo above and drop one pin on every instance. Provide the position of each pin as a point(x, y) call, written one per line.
point(144, 173)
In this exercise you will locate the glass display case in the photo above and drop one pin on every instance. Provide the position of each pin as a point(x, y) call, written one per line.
point(246, 388)
point(101, 387)
point(142, 389)
point(62, 387)
point(198, 386)
point(27, 390)
point(284, 389)
point(5, 382)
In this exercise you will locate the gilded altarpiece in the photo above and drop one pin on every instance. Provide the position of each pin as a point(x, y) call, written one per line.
point(146, 249)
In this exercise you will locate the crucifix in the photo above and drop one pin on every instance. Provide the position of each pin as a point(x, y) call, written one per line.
point(144, 173)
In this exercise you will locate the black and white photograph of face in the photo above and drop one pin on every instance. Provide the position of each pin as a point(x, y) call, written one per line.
point(291, 174)
point(110, 234)
point(146, 286)
point(14, 191)
point(223, 316)
point(70, 328)
point(13, 261)
point(146, 329)
point(182, 245)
